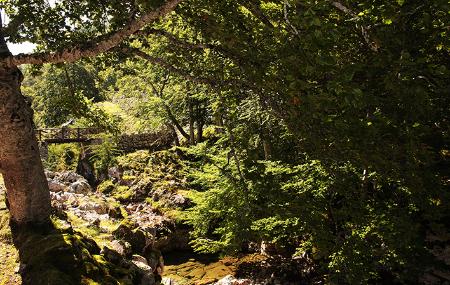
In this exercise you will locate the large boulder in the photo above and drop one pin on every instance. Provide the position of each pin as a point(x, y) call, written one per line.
point(56, 186)
point(130, 233)
point(67, 181)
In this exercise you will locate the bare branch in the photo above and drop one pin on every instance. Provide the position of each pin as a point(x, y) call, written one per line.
point(286, 18)
point(97, 46)
point(372, 42)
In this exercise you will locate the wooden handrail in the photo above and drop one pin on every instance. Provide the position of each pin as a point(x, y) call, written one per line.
point(66, 134)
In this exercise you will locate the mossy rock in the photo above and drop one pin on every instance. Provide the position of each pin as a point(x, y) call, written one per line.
point(122, 193)
point(67, 257)
point(106, 187)
point(129, 232)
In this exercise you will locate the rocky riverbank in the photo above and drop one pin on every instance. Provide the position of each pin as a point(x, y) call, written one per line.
point(128, 225)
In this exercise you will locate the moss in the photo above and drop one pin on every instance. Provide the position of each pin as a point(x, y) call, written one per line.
point(123, 212)
point(5, 232)
point(106, 187)
point(129, 178)
point(87, 281)
point(82, 226)
point(122, 193)
point(56, 257)
point(9, 258)
point(53, 276)
point(134, 161)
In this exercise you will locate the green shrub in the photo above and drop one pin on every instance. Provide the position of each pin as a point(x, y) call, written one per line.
point(62, 157)
point(355, 231)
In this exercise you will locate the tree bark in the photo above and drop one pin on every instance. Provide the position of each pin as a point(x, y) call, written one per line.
point(200, 122)
point(175, 122)
point(267, 149)
point(199, 131)
point(27, 189)
point(191, 123)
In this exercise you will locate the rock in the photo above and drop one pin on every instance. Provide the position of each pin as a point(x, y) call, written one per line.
point(80, 187)
point(118, 246)
point(155, 260)
point(56, 186)
point(142, 188)
point(69, 177)
point(170, 199)
point(146, 272)
point(129, 233)
point(168, 281)
point(230, 280)
point(50, 174)
point(115, 173)
point(138, 258)
point(100, 209)
point(111, 255)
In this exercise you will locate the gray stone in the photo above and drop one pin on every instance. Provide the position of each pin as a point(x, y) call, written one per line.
point(56, 186)
point(80, 187)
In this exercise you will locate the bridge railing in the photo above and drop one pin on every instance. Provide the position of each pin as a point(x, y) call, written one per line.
point(61, 135)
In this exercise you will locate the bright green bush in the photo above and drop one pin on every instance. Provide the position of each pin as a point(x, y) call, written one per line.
point(62, 157)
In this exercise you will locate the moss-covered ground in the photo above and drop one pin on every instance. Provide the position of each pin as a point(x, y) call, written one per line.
point(9, 257)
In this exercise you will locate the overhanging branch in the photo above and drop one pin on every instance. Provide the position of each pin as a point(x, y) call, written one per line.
point(97, 46)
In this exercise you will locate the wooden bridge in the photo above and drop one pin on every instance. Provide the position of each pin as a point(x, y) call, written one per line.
point(67, 135)
point(127, 142)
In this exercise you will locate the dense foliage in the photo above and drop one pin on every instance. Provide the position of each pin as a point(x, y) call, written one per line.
point(319, 127)
point(334, 120)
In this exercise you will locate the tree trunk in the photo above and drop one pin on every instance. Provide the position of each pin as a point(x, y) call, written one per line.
point(191, 124)
point(200, 131)
point(267, 149)
point(177, 140)
point(27, 189)
point(175, 122)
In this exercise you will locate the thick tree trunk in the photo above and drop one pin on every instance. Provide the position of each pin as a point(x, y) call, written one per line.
point(27, 189)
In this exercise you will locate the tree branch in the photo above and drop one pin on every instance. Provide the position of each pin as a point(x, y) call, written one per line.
point(4, 51)
point(171, 116)
point(370, 40)
point(97, 46)
point(286, 18)
point(220, 50)
point(169, 67)
point(256, 11)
